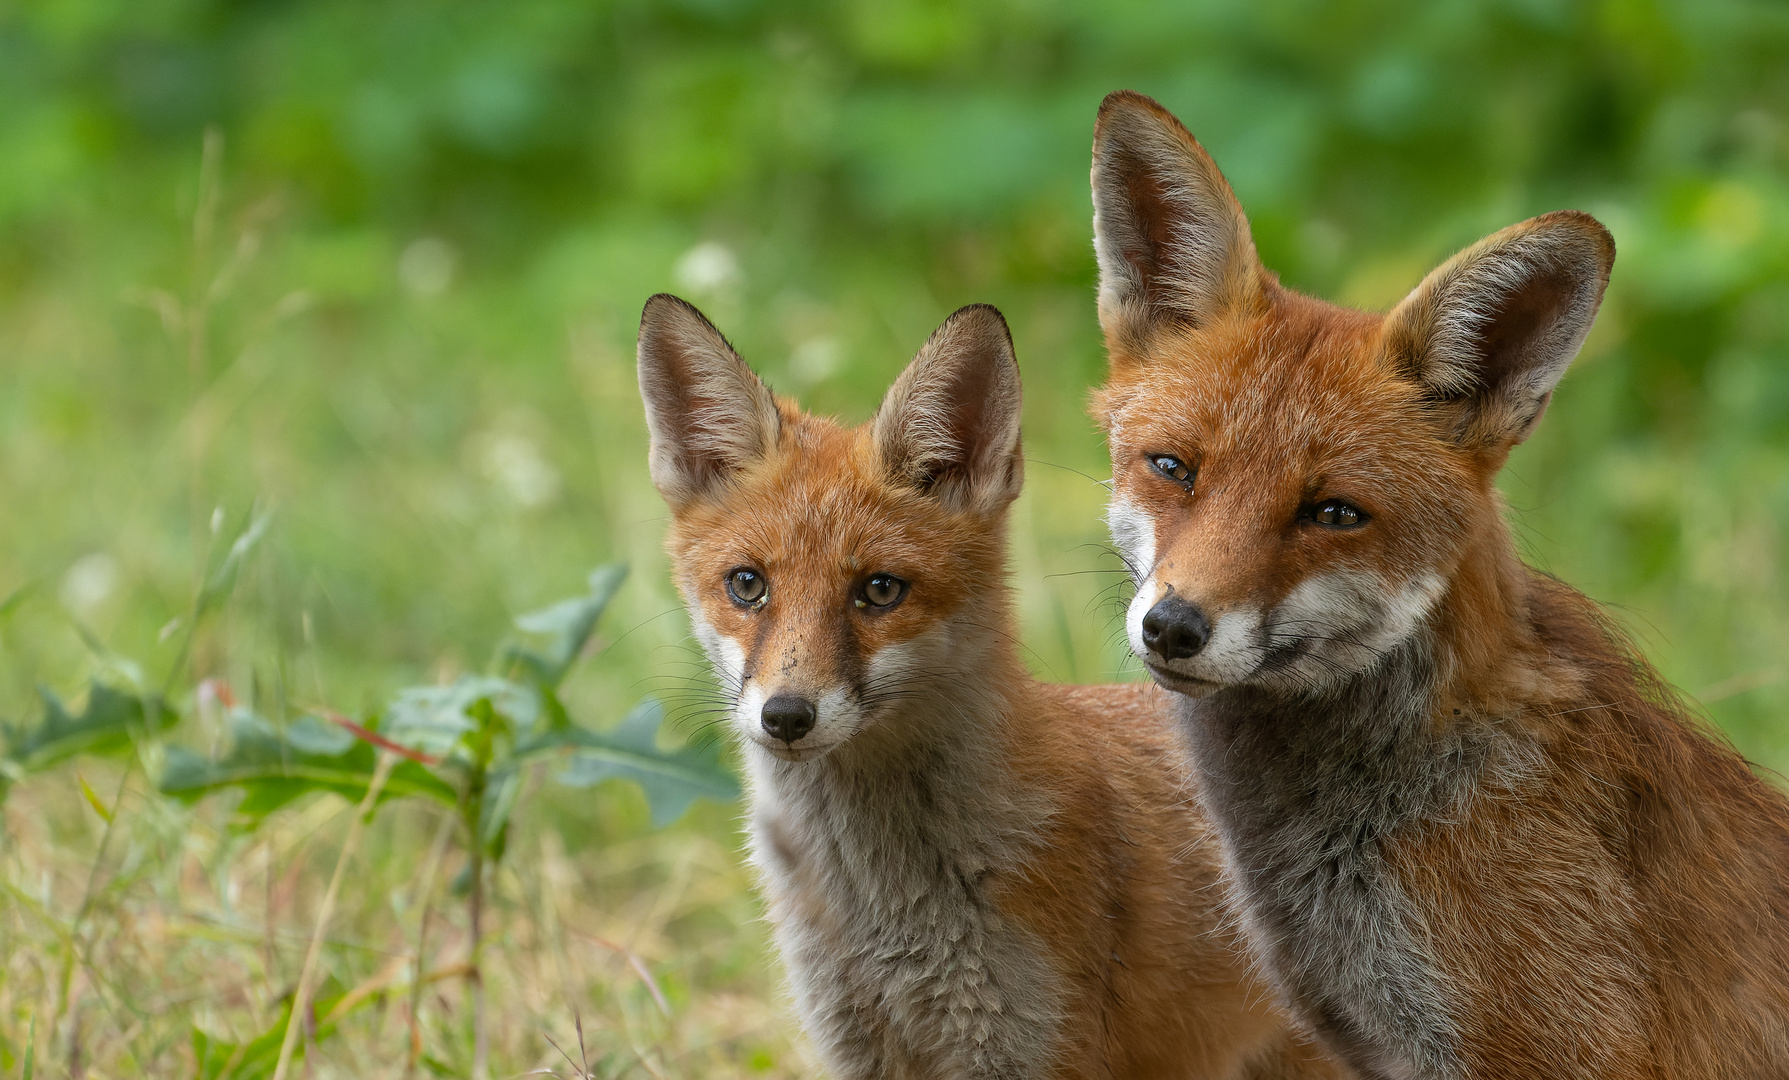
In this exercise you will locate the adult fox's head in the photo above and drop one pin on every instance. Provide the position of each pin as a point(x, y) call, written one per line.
point(1298, 486)
point(832, 572)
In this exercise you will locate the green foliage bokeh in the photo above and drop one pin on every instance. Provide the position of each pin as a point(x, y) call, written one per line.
point(395, 299)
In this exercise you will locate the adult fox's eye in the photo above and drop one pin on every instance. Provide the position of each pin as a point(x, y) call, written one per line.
point(747, 587)
point(1173, 468)
point(882, 591)
point(1338, 514)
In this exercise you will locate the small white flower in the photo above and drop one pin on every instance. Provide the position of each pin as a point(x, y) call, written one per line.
point(427, 266)
point(706, 268)
point(89, 582)
point(814, 359)
point(515, 464)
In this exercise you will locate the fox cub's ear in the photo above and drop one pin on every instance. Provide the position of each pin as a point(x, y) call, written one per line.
point(950, 424)
point(1490, 332)
point(708, 414)
point(1172, 241)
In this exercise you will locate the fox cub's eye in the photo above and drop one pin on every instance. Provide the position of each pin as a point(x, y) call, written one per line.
point(1173, 468)
point(1338, 514)
point(747, 587)
point(882, 591)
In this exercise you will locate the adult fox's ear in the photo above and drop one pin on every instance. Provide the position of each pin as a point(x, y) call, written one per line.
point(950, 424)
point(1172, 241)
point(707, 413)
point(1490, 332)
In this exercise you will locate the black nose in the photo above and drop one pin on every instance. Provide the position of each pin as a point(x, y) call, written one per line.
point(1174, 629)
point(788, 717)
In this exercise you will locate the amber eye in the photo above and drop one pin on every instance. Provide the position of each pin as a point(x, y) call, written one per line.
point(1338, 514)
point(882, 591)
point(1173, 468)
point(747, 587)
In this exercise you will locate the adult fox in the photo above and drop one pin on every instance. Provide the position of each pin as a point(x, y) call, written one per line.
point(1472, 833)
point(971, 874)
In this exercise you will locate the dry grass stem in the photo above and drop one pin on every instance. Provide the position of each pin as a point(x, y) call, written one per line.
point(301, 997)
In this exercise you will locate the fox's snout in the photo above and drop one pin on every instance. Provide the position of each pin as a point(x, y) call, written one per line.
point(1175, 629)
point(788, 717)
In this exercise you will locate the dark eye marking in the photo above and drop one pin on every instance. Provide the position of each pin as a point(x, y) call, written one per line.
point(1174, 469)
point(747, 587)
point(1334, 514)
point(881, 592)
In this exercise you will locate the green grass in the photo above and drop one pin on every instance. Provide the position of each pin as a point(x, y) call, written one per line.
point(391, 299)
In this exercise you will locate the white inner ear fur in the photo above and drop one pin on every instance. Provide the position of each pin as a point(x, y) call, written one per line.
point(1442, 328)
point(1208, 251)
point(950, 424)
point(706, 411)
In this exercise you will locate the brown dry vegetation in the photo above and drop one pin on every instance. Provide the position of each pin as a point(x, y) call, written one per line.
point(193, 925)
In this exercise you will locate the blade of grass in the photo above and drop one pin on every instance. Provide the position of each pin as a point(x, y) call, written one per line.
point(633, 961)
point(437, 850)
point(301, 996)
point(74, 929)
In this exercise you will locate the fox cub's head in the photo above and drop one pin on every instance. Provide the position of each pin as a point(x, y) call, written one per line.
point(832, 572)
point(1297, 485)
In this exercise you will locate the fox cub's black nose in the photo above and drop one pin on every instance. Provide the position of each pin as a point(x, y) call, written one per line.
point(1174, 629)
point(788, 717)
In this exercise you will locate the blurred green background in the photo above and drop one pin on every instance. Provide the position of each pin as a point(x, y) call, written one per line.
point(378, 266)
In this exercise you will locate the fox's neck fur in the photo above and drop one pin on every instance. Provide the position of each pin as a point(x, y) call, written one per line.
point(896, 834)
point(1317, 795)
point(1305, 790)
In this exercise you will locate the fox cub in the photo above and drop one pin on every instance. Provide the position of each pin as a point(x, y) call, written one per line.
point(971, 874)
point(1471, 833)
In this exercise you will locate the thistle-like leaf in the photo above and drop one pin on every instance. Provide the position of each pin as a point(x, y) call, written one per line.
point(671, 779)
point(438, 719)
point(275, 765)
point(104, 726)
point(567, 626)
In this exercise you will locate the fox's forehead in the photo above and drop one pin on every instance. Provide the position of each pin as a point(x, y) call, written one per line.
point(1298, 389)
point(821, 503)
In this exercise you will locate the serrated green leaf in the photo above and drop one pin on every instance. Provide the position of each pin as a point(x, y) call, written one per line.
point(437, 720)
point(567, 626)
point(273, 768)
point(104, 726)
point(310, 735)
point(671, 779)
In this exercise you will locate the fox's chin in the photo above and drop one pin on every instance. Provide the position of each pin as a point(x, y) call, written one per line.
point(1181, 684)
point(785, 752)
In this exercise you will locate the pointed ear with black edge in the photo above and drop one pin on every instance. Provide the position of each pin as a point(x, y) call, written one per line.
point(1172, 241)
point(707, 413)
point(1490, 333)
point(949, 426)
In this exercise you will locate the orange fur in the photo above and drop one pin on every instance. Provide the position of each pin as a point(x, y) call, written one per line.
point(1107, 868)
point(1602, 892)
